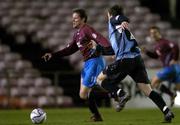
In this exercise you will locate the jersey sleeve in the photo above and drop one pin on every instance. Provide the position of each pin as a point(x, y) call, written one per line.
point(68, 50)
point(97, 37)
point(175, 50)
point(105, 50)
point(118, 20)
point(152, 54)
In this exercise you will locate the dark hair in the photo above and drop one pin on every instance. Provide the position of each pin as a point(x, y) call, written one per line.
point(82, 13)
point(116, 10)
point(154, 28)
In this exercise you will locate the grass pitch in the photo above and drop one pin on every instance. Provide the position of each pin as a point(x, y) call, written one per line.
point(80, 116)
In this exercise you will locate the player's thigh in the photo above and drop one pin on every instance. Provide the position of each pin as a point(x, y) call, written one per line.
point(177, 79)
point(84, 90)
point(113, 68)
point(138, 72)
point(101, 77)
point(177, 82)
point(139, 75)
point(177, 87)
point(155, 82)
point(117, 71)
point(91, 70)
point(145, 88)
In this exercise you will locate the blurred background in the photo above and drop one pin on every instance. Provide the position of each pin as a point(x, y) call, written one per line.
point(29, 28)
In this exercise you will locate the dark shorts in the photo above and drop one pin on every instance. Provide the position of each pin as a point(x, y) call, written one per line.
point(134, 67)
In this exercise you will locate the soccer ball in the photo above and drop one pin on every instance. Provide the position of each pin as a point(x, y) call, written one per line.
point(38, 116)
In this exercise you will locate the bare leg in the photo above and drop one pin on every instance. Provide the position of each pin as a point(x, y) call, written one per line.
point(155, 82)
point(145, 88)
point(119, 95)
point(177, 87)
point(84, 91)
point(89, 95)
point(158, 100)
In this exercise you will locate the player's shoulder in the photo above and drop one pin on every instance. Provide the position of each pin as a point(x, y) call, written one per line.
point(164, 41)
point(117, 20)
point(87, 29)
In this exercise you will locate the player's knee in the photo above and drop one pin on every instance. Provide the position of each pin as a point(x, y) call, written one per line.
point(155, 82)
point(145, 88)
point(101, 76)
point(83, 95)
point(154, 85)
point(177, 87)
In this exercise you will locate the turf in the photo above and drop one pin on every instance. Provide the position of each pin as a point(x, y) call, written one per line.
point(80, 116)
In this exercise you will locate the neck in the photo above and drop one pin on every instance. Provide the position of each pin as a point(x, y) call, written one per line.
point(81, 25)
point(159, 38)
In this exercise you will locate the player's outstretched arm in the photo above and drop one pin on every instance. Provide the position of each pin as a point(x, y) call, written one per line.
point(46, 57)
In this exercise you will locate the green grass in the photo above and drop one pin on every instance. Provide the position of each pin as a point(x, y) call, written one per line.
point(80, 116)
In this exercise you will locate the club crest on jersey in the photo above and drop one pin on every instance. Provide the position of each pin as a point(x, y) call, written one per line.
point(79, 44)
point(171, 45)
point(94, 35)
point(158, 52)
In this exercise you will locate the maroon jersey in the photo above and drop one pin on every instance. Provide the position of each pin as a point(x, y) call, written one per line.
point(165, 50)
point(82, 41)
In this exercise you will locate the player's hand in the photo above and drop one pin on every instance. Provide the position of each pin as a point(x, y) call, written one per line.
point(92, 44)
point(172, 62)
point(113, 57)
point(143, 49)
point(47, 57)
point(125, 25)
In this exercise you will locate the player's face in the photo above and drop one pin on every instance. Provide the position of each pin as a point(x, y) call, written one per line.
point(155, 34)
point(77, 21)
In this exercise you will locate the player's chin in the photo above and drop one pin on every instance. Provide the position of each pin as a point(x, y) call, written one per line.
point(74, 25)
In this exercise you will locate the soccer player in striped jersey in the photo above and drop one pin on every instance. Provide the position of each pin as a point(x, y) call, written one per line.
point(168, 53)
point(128, 61)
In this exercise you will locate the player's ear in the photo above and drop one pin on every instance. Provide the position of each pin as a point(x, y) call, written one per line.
point(84, 20)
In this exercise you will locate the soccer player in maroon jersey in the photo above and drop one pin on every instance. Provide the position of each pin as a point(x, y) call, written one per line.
point(93, 61)
point(168, 53)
